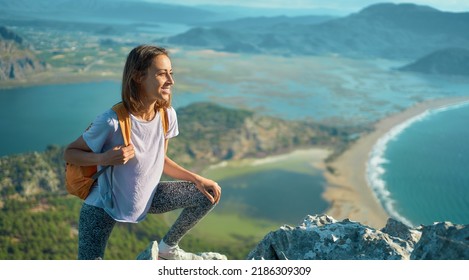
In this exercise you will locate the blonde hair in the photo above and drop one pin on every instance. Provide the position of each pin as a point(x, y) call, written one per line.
point(137, 63)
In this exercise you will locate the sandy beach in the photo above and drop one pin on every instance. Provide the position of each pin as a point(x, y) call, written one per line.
point(347, 189)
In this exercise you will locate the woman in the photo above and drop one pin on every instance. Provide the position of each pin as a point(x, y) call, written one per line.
point(137, 168)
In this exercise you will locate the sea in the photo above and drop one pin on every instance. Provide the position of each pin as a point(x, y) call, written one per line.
point(419, 170)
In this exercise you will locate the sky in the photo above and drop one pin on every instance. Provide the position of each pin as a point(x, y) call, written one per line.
point(336, 6)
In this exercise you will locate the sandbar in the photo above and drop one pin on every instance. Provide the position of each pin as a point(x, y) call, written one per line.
point(347, 189)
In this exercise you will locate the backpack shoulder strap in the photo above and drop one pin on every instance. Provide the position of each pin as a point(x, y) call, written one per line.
point(124, 121)
point(164, 119)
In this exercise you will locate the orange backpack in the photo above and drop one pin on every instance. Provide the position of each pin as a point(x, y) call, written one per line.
point(79, 179)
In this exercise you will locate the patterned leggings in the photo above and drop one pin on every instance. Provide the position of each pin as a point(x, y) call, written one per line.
point(95, 225)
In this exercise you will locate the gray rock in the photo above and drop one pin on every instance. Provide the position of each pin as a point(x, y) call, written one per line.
point(317, 220)
point(212, 256)
point(151, 253)
point(407, 236)
point(323, 238)
point(443, 241)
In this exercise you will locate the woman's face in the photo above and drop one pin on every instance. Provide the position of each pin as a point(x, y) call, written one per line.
point(157, 82)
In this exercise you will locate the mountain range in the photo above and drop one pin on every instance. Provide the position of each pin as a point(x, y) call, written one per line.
point(433, 39)
point(386, 30)
point(393, 31)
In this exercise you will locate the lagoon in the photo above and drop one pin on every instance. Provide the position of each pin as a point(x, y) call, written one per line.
point(275, 195)
point(282, 188)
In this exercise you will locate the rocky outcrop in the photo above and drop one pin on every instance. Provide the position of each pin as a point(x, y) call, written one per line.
point(7, 34)
point(323, 238)
point(151, 253)
point(16, 61)
point(442, 241)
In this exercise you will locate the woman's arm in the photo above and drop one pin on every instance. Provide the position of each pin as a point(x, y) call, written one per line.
point(79, 153)
point(208, 187)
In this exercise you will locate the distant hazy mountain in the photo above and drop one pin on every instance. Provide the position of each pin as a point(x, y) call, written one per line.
point(232, 11)
point(452, 61)
point(262, 23)
point(381, 30)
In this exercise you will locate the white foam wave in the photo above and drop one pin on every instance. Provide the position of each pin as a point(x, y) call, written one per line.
point(449, 107)
point(376, 165)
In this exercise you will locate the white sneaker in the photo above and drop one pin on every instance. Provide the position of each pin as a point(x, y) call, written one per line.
point(177, 253)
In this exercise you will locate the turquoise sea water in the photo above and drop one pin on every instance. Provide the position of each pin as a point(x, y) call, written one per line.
point(31, 118)
point(420, 169)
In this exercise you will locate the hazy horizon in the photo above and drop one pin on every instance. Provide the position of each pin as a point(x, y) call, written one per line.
point(337, 7)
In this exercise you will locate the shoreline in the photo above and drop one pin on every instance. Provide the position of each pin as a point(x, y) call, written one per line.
point(347, 189)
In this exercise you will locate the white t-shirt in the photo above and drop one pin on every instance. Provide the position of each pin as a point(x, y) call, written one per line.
point(125, 191)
